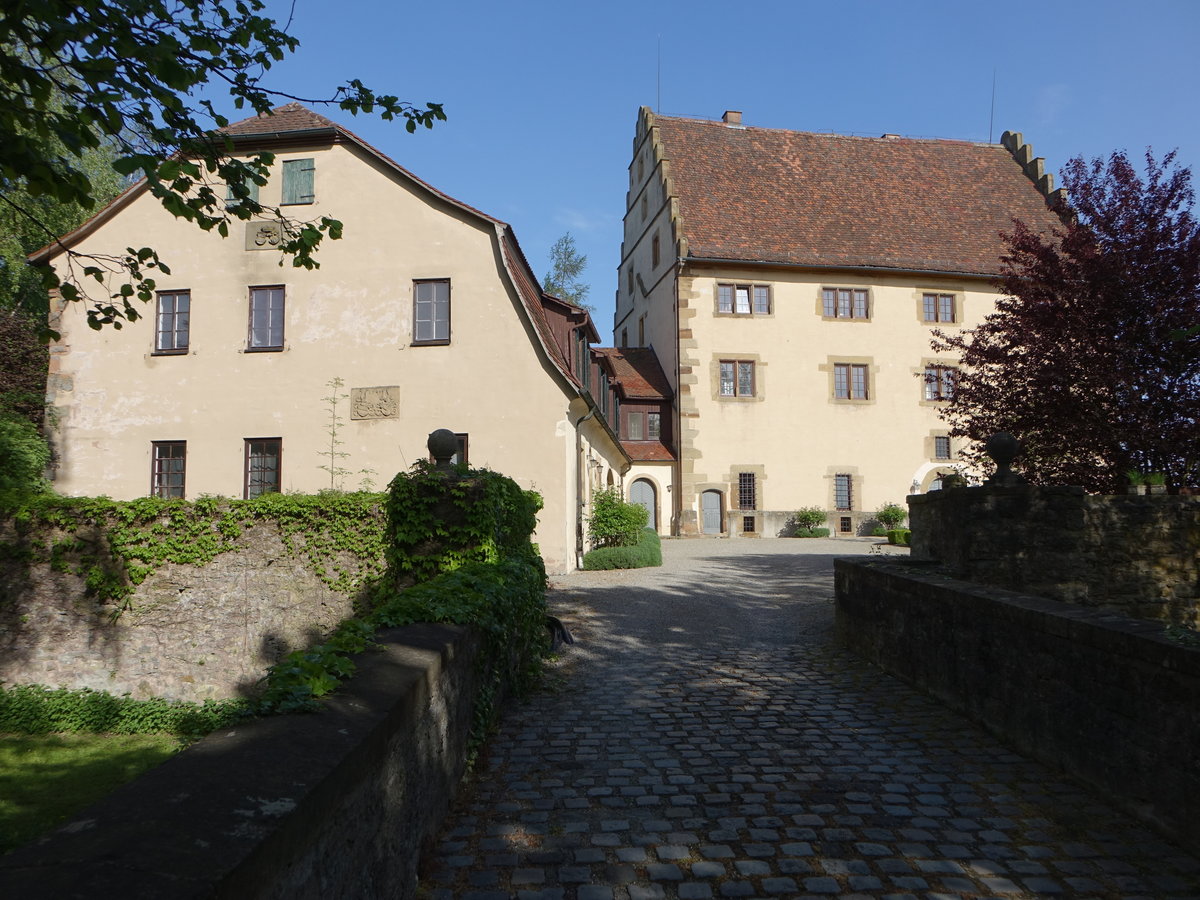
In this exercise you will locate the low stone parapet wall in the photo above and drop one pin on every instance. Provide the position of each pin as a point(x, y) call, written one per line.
point(1139, 555)
point(333, 804)
point(1104, 697)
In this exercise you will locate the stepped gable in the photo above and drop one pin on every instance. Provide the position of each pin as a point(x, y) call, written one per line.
point(797, 198)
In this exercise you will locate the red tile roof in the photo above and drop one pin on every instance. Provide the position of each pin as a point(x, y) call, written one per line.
point(792, 197)
point(636, 371)
point(289, 117)
point(648, 451)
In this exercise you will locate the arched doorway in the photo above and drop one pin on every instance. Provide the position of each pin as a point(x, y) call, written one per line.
point(710, 512)
point(642, 493)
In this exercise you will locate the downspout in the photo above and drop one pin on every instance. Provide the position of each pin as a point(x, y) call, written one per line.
point(677, 493)
point(579, 488)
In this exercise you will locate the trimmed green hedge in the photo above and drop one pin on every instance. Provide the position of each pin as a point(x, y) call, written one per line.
point(811, 532)
point(899, 536)
point(33, 709)
point(646, 552)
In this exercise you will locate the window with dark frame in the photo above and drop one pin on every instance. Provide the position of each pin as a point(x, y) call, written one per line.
point(642, 331)
point(843, 491)
point(938, 307)
point(460, 454)
point(851, 381)
point(747, 490)
point(431, 311)
point(941, 447)
point(168, 468)
point(744, 299)
point(939, 382)
point(655, 251)
point(298, 182)
point(262, 471)
point(736, 378)
point(172, 322)
point(629, 279)
point(654, 426)
point(844, 303)
point(266, 318)
point(845, 524)
point(748, 525)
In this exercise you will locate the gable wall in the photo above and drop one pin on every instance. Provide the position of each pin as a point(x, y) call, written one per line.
point(351, 318)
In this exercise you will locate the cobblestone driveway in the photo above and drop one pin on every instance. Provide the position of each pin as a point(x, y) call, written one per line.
point(704, 739)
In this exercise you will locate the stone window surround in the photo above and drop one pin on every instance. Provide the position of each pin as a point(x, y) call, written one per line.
point(872, 378)
point(856, 493)
point(819, 303)
point(931, 446)
point(733, 313)
point(919, 375)
point(715, 377)
point(919, 305)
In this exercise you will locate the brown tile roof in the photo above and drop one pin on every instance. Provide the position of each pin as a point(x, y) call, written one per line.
point(636, 371)
point(648, 451)
point(798, 198)
point(289, 117)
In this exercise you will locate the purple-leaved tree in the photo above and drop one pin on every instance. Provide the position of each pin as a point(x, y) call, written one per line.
point(1092, 357)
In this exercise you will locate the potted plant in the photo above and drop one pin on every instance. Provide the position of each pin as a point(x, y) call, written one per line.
point(1156, 483)
point(1136, 482)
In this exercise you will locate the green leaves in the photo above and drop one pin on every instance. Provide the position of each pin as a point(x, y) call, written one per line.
point(79, 77)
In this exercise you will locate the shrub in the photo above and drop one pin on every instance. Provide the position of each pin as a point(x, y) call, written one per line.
point(34, 709)
point(24, 455)
point(899, 536)
point(810, 532)
point(891, 515)
point(614, 522)
point(646, 552)
point(808, 517)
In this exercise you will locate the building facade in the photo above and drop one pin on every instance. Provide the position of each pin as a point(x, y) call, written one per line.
point(789, 284)
point(424, 316)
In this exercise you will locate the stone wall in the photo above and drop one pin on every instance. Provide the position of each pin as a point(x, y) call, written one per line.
point(1104, 697)
point(333, 804)
point(1139, 555)
point(189, 632)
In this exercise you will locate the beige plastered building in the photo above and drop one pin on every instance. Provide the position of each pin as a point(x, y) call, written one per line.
point(789, 285)
point(426, 311)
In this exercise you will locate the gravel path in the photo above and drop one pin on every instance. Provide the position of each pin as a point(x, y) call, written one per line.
point(704, 738)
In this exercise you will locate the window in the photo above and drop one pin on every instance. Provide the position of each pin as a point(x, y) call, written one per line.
point(843, 492)
point(654, 426)
point(844, 303)
point(744, 299)
point(655, 252)
point(431, 311)
point(266, 318)
point(642, 331)
point(941, 447)
point(938, 307)
point(629, 279)
point(737, 378)
point(251, 192)
point(747, 491)
point(297, 181)
point(262, 466)
point(845, 524)
point(624, 337)
point(747, 524)
point(173, 319)
point(939, 382)
point(850, 381)
point(168, 467)
point(645, 207)
point(460, 454)
point(634, 420)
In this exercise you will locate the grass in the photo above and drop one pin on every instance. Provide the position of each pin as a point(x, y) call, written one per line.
point(47, 778)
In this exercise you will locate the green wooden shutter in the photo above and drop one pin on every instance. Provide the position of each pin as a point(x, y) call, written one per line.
point(298, 181)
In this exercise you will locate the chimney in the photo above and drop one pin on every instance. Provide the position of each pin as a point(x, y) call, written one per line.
point(732, 117)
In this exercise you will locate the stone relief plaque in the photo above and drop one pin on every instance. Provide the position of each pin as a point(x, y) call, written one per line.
point(375, 402)
point(263, 235)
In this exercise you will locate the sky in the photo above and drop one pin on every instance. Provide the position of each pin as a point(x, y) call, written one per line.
point(542, 98)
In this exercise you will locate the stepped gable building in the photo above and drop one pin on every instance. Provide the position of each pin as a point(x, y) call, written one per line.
point(426, 310)
point(788, 283)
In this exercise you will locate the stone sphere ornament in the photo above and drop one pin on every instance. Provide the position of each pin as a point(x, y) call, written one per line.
point(442, 446)
point(1003, 448)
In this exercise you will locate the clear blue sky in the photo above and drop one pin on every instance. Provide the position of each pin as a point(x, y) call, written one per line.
point(542, 97)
